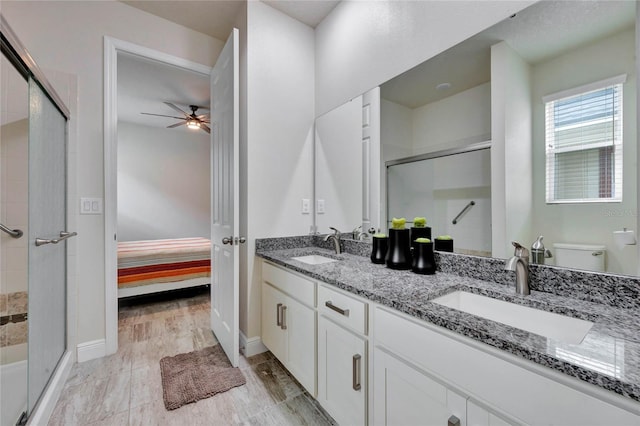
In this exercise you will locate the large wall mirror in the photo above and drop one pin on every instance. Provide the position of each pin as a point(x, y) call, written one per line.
point(492, 88)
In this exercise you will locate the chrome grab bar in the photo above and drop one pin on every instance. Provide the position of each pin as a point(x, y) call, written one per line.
point(466, 209)
point(63, 236)
point(15, 233)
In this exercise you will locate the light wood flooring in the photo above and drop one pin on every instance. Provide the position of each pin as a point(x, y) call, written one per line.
point(125, 388)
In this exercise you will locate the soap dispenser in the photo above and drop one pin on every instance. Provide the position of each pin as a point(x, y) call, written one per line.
point(538, 253)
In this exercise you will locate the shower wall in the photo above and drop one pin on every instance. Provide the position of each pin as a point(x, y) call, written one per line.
point(13, 252)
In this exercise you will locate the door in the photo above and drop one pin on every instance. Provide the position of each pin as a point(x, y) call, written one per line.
point(342, 377)
point(225, 273)
point(404, 395)
point(47, 221)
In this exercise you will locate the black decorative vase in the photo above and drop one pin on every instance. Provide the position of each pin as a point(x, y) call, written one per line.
point(399, 252)
point(423, 259)
point(424, 232)
point(379, 251)
point(444, 245)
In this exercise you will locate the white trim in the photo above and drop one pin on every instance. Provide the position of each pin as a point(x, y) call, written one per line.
point(112, 47)
point(92, 350)
point(252, 346)
point(52, 392)
point(619, 79)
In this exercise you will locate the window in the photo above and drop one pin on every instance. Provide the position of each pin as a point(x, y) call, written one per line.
point(583, 143)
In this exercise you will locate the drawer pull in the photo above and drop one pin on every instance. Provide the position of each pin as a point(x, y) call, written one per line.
point(333, 307)
point(279, 314)
point(284, 318)
point(356, 372)
point(453, 421)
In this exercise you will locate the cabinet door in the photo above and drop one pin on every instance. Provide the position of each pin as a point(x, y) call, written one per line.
point(342, 373)
point(479, 416)
point(300, 323)
point(273, 336)
point(405, 395)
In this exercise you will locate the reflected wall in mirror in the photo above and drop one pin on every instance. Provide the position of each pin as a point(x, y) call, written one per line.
point(452, 190)
point(338, 163)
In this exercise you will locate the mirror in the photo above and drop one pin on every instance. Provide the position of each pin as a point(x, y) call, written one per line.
point(555, 46)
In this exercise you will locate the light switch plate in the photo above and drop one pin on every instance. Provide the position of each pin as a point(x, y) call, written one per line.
point(320, 209)
point(90, 205)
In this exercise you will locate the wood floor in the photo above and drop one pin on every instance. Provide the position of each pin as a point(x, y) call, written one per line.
point(125, 388)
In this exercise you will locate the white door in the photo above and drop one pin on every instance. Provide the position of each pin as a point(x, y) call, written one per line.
point(225, 269)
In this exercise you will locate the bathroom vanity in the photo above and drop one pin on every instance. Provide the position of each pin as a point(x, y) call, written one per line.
point(380, 351)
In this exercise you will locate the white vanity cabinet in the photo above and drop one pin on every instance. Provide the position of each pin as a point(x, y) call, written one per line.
point(342, 356)
point(406, 395)
point(289, 322)
point(512, 390)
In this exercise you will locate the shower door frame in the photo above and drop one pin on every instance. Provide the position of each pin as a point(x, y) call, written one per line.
point(19, 56)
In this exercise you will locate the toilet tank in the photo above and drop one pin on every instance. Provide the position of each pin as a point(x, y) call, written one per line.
point(580, 256)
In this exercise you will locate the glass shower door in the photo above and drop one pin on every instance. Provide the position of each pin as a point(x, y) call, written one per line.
point(47, 248)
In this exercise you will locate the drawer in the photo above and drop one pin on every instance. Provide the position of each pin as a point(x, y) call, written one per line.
point(294, 285)
point(343, 309)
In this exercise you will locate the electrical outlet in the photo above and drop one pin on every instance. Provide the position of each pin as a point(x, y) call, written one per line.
point(320, 209)
point(306, 206)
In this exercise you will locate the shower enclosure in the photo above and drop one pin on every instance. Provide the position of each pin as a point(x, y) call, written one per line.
point(33, 286)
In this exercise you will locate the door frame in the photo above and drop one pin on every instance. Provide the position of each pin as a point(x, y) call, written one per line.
point(112, 47)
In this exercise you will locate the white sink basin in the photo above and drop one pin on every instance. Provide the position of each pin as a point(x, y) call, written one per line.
point(543, 323)
point(314, 259)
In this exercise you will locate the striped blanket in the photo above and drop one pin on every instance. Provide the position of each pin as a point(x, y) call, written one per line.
point(161, 261)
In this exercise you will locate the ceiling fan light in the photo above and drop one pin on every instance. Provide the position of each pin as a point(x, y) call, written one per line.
point(193, 124)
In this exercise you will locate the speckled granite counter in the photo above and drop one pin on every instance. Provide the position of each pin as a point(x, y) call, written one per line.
point(609, 355)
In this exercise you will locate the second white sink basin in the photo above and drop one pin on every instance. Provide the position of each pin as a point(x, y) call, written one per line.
point(314, 259)
point(543, 323)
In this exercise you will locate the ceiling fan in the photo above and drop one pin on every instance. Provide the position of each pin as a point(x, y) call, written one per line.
point(192, 120)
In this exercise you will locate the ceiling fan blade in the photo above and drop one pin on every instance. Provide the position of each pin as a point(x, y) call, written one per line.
point(203, 117)
point(176, 125)
point(160, 115)
point(205, 127)
point(170, 105)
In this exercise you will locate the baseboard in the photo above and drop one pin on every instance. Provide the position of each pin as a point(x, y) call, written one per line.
point(252, 346)
point(92, 350)
point(49, 399)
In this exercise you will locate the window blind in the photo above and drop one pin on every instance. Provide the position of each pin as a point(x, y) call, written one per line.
point(583, 144)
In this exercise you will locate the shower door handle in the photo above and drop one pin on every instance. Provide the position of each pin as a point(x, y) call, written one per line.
point(63, 236)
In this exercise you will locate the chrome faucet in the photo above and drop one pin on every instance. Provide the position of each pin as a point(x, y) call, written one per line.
point(519, 263)
point(336, 239)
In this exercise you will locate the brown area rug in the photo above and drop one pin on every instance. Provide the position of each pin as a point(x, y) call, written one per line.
point(196, 375)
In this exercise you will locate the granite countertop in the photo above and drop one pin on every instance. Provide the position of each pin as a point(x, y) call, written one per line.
point(609, 355)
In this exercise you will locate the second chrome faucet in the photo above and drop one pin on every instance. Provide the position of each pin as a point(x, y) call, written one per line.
point(336, 239)
point(519, 263)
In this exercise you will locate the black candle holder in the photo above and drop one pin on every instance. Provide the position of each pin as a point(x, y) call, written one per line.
point(379, 250)
point(423, 259)
point(399, 252)
point(419, 232)
point(444, 245)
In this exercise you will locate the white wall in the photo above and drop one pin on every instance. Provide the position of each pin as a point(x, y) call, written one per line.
point(396, 130)
point(68, 37)
point(163, 183)
point(279, 147)
point(362, 44)
point(591, 223)
point(457, 120)
point(511, 157)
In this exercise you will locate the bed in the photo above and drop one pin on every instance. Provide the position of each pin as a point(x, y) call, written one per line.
point(152, 266)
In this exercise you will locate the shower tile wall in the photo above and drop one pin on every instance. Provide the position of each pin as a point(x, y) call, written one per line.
point(13, 252)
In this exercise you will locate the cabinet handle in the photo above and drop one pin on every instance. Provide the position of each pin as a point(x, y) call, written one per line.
point(279, 314)
point(356, 372)
point(333, 307)
point(453, 421)
point(284, 317)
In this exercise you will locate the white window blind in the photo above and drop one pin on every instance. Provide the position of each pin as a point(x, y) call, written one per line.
point(583, 142)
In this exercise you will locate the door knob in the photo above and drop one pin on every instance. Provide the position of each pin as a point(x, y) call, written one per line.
point(227, 240)
point(240, 240)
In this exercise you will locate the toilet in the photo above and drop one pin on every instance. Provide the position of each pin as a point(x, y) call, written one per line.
point(580, 256)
